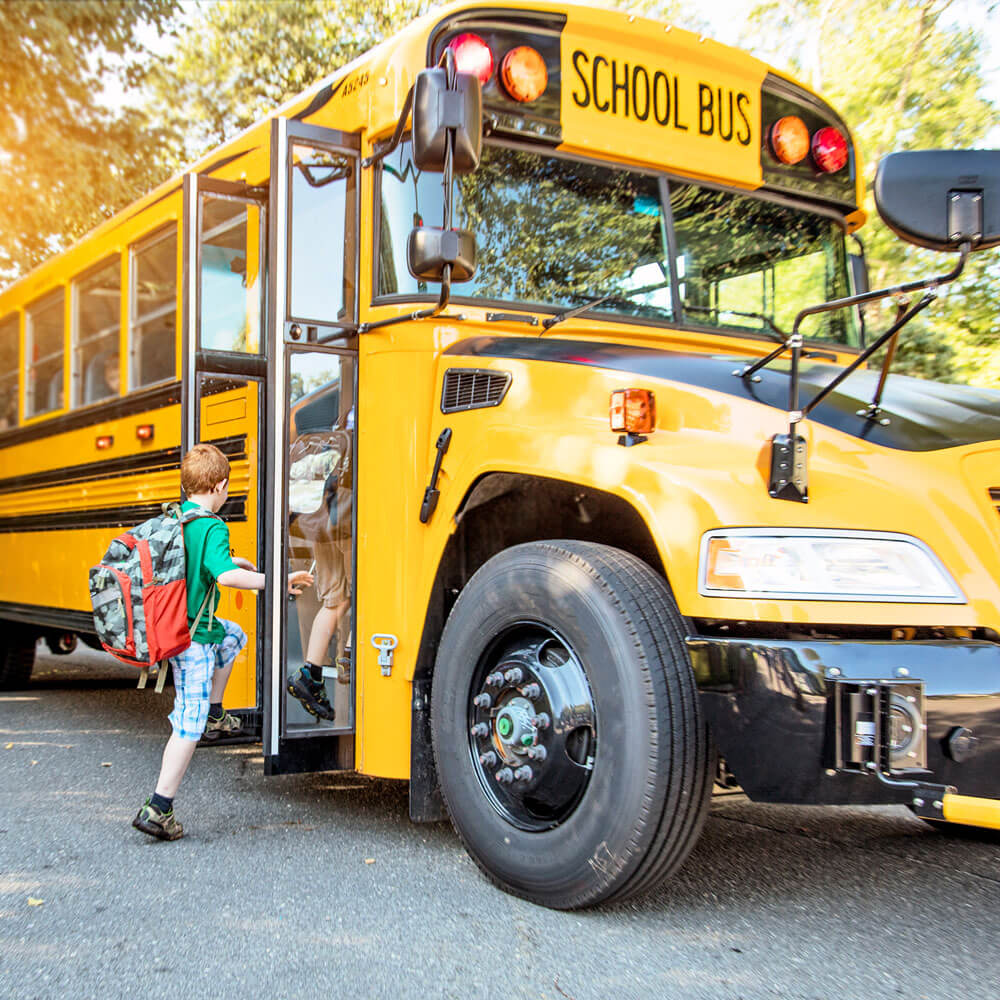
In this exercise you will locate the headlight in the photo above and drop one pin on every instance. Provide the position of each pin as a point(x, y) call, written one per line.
point(823, 565)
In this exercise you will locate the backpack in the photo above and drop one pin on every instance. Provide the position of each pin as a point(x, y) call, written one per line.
point(139, 593)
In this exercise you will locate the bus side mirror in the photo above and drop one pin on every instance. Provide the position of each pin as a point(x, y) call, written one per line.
point(429, 249)
point(438, 110)
point(940, 198)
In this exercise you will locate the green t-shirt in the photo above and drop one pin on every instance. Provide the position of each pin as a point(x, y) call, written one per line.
point(207, 556)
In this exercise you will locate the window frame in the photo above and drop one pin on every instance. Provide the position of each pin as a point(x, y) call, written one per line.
point(42, 302)
point(135, 248)
point(77, 377)
point(18, 326)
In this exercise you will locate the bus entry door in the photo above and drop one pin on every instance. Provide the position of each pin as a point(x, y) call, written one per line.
point(309, 700)
point(224, 383)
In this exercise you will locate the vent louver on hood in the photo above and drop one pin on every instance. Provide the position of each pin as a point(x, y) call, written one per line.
point(473, 388)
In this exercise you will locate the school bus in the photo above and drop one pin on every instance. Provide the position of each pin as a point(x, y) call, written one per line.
point(548, 322)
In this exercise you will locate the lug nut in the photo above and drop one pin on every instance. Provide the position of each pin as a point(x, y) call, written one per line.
point(505, 775)
point(514, 676)
point(531, 690)
point(482, 700)
point(524, 773)
point(541, 721)
point(481, 730)
point(488, 759)
point(537, 753)
point(495, 679)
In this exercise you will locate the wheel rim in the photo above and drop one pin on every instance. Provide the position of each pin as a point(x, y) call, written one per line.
point(532, 727)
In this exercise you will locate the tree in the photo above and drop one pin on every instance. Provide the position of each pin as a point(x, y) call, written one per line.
point(68, 159)
point(905, 74)
point(238, 61)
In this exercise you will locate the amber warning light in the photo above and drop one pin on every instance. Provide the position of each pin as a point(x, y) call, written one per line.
point(633, 411)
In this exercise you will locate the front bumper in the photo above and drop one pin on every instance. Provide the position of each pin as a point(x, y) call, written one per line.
point(770, 705)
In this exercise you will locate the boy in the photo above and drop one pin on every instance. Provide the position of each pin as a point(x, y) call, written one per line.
point(202, 670)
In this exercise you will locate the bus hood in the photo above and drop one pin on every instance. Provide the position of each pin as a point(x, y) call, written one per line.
point(922, 415)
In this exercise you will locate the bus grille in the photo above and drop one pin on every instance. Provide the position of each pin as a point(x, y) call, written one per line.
point(473, 388)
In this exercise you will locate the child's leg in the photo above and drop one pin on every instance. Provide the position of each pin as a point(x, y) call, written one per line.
point(192, 682)
point(225, 656)
point(177, 756)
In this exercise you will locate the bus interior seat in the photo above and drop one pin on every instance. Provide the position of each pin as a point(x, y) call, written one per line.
point(319, 414)
point(95, 386)
point(54, 400)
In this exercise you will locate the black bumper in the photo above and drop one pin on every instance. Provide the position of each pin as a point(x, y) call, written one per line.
point(769, 704)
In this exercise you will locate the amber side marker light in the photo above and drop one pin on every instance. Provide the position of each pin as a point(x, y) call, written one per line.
point(144, 432)
point(523, 74)
point(789, 140)
point(104, 442)
point(634, 412)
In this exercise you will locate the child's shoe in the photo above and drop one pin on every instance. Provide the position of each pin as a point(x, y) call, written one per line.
point(150, 820)
point(311, 693)
point(228, 725)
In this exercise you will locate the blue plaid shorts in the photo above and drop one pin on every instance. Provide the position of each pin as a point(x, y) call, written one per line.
point(193, 671)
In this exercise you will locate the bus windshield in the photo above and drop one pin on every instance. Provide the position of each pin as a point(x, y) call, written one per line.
point(555, 233)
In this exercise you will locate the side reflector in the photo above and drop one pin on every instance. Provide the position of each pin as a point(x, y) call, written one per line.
point(473, 56)
point(104, 442)
point(523, 74)
point(789, 140)
point(144, 432)
point(633, 411)
point(829, 149)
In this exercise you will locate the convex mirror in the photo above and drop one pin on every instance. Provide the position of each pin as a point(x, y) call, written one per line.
point(428, 250)
point(941, 198)
point(439, 109)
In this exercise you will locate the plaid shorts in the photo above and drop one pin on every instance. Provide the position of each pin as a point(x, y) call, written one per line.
point(193, 670)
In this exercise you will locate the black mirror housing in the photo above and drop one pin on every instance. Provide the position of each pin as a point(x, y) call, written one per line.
point(941, 198)
point(436, 110)
point(429, 249)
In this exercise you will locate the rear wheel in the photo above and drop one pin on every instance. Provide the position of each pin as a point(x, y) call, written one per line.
point(567, 729)
point(17, 658)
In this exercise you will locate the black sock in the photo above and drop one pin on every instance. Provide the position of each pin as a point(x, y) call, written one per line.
point(215, 710)
point(316, 673)
point(161, 802)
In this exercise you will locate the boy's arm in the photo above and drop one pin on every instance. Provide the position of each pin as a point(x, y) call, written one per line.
point(244, 579)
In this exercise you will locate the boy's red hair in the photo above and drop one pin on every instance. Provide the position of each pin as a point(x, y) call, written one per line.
point(203, 468)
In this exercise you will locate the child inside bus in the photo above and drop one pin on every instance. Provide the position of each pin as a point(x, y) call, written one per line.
point(202, 670)
point(328, 532)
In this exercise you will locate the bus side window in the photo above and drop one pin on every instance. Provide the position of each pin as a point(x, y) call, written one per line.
point(152, 340)
point(9, 336)
point(96, 327)
point(43, 351)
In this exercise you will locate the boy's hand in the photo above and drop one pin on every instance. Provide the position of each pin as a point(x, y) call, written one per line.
point(244, 564)
point(297, 580)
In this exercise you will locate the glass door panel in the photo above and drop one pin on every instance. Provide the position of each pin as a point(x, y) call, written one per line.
point(230, 286)
point(320, 539)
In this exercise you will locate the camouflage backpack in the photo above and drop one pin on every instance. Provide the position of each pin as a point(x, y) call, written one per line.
point(139, 593)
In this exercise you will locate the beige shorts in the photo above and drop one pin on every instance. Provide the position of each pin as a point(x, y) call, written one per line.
point(333, 569)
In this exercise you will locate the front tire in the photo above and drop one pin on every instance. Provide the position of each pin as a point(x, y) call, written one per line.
point(567, 729)
point(17, 658)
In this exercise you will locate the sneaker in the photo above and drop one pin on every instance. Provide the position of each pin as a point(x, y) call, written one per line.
point(344, 667)
point(311, 694)
point(150, 820)
point(228, 725)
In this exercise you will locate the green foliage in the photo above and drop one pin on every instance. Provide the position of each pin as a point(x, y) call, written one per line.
point(68, 160)
point(239, 60)
point(904, 74)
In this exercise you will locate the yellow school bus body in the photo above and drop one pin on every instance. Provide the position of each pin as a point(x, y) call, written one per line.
point(705, 466)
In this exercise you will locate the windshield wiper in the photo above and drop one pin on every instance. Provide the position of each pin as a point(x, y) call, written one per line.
point(592, 303)
point(770, 327)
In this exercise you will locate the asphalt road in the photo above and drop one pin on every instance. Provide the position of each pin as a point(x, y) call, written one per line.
point(319, 886)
